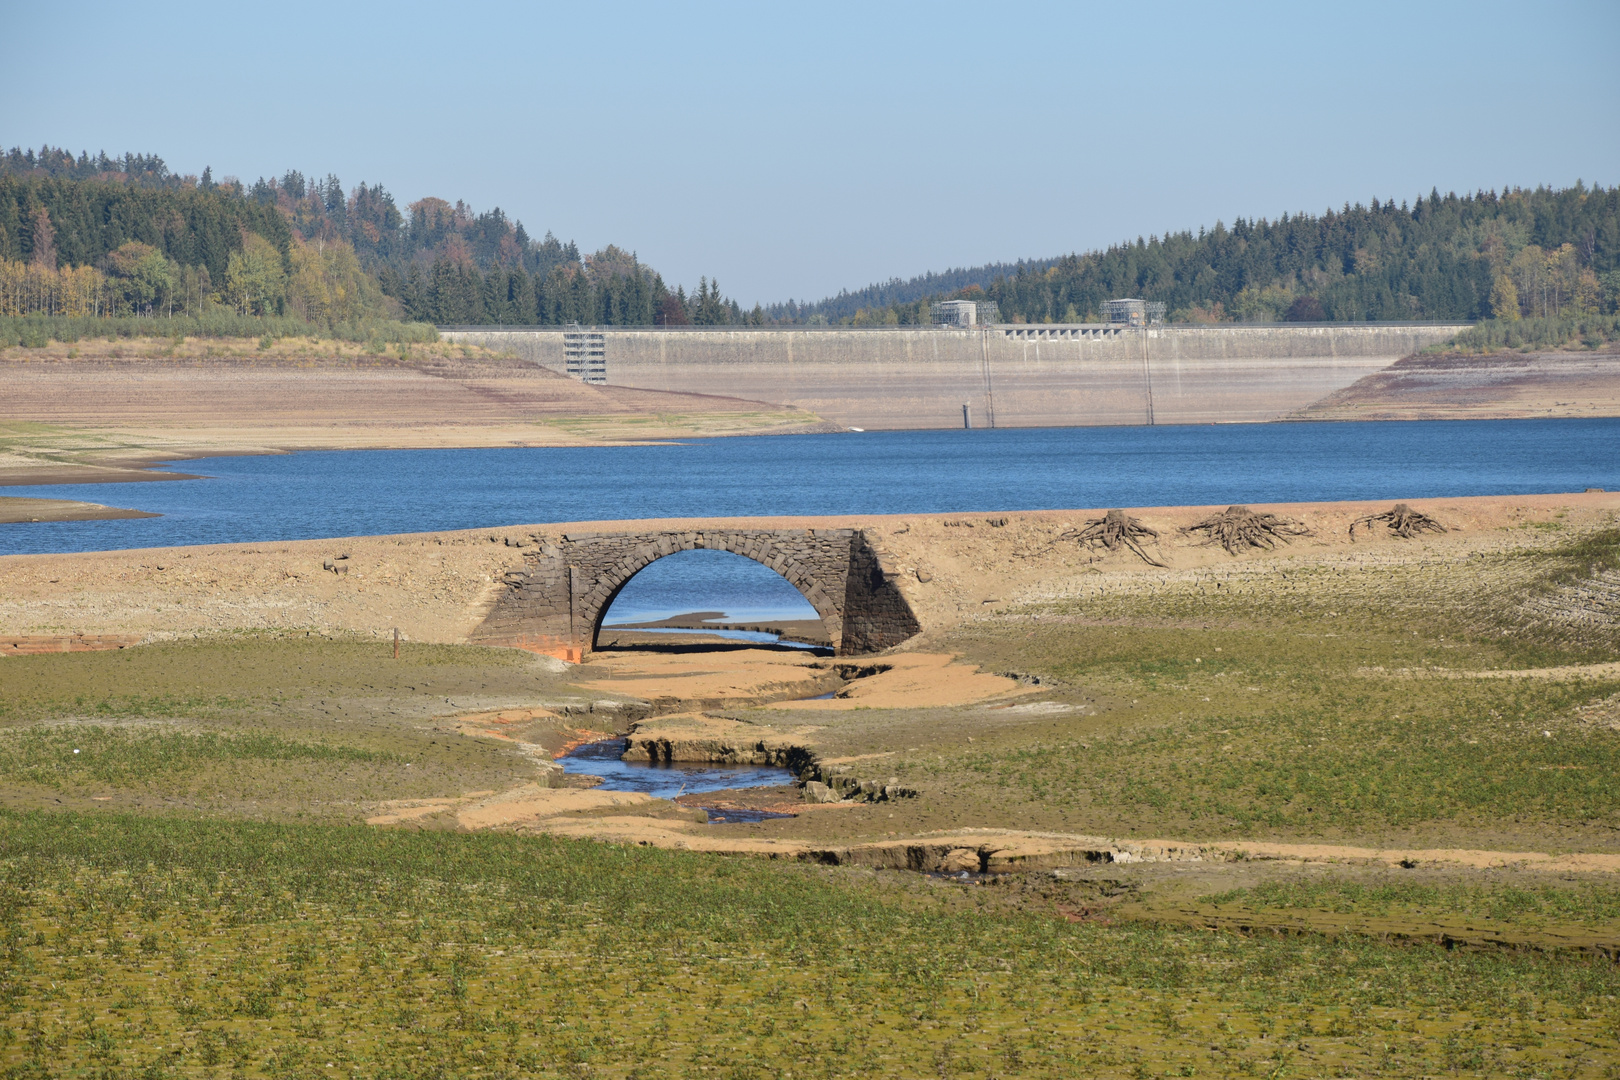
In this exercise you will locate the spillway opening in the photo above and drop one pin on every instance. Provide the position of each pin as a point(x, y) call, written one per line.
point(707, 599)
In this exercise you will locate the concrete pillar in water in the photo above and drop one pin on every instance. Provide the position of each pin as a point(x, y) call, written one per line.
point(967, 417)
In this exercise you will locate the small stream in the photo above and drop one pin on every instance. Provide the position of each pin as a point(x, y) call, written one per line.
point(667, 780)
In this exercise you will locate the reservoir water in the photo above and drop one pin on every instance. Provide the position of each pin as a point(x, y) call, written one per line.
point(734, 588)
point(363, 492)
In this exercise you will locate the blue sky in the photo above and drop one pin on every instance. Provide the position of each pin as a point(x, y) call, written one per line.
point(791, 150)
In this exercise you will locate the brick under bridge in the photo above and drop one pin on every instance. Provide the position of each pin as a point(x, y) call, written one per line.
point(556, 602)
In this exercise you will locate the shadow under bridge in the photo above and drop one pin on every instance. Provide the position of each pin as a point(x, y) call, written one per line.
point(556, 601)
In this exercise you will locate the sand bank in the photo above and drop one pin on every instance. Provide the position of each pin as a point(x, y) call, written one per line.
point(15, 510)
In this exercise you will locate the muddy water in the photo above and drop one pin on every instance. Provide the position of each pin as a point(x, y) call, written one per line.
point(668, 780)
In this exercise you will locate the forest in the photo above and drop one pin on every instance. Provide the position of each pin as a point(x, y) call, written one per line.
point(103, 236)
point(1520, 253)
point(96, 236)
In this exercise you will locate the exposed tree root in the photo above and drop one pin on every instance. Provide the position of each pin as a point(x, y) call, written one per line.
point(1238, 528)
point(1116, 530)
point(1403, 521)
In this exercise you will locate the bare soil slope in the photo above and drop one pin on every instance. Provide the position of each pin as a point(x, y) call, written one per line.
point(92, 411)
point(1497, 386)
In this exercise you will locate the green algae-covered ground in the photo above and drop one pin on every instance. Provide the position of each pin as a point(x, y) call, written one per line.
point(182, 947)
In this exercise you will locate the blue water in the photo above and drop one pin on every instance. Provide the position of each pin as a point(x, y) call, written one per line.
point(665, 781)
point(361, 492)
point(687, 581)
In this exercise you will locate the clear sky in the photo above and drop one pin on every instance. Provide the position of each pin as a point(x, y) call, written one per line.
point(794, 149)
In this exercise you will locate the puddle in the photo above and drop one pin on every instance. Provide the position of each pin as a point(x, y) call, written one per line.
point(723, 816)
point(960, 877)
point(665, 781)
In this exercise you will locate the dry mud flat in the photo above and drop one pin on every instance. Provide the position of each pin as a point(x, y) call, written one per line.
point(101, 411)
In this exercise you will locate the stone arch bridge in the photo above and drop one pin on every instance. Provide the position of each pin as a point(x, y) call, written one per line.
point(557, 600)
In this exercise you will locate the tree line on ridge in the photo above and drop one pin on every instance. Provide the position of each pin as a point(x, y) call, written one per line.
point(124, 235)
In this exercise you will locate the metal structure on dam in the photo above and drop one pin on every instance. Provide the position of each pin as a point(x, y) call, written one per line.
point(1010, 375)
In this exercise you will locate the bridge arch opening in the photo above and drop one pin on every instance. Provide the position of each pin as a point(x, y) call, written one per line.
point(709, 598)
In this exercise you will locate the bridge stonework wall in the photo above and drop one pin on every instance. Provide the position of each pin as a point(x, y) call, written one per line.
point(557, 600)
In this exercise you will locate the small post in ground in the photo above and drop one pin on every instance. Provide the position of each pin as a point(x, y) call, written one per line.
point(396, 643)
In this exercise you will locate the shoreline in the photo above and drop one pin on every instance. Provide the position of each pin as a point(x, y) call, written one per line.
point(439, 586)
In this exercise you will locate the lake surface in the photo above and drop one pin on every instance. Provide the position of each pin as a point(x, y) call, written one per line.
point(363, 492)
point(740, 589)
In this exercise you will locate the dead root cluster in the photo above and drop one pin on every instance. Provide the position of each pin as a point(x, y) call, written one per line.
point(1402, 520)
point(1116, 530)
point(1237, 528)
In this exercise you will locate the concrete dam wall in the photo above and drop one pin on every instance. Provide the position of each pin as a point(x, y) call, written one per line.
point(1008, 376)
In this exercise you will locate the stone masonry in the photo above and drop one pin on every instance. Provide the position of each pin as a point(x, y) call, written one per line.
point(557, 600)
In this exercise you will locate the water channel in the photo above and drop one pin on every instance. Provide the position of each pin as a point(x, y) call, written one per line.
point(672, 779)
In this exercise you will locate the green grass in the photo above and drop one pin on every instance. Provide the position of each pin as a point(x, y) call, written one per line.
point(1295, 730)
point(76, 757)
point(1594, 904)
point(1362, 756)
point(252, 674)
point(263, 726)
point(1277, 699)
point(175, 947)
